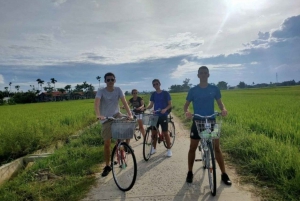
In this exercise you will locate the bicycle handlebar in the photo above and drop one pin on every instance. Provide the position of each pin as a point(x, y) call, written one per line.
point(209, 116)
point(120, 118)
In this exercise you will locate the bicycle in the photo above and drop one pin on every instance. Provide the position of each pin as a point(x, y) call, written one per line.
point(150, 120)
point(208, 130)
point(124, 168)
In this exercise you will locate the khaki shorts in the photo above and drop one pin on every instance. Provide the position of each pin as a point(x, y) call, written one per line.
point(106, 128)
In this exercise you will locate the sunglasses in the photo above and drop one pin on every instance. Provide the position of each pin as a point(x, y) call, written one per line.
point(155, 84)
point(110, 80)
point(134, 93)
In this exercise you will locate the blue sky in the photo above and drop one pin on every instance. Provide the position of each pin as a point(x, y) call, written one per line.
point(75, 41)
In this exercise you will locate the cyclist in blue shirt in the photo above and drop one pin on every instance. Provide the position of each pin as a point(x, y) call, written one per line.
point(161, 100)
point(202, 96)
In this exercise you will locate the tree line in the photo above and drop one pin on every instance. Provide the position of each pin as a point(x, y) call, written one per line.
point(85, 90)
point(39, 93)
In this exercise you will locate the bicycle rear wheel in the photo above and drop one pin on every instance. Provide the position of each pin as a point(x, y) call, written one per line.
point(172, 134)
point(211, 169)
point(124, 167)
point(147, 145)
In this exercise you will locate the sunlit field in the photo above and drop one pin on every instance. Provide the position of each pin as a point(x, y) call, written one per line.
point(261, 133)
point(28, 127)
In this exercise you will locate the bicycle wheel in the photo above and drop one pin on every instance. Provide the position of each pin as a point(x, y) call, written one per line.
point(147, 145)
point(124, 167)
point(202, 154)
point(137, 133)
point(211, 168)
point(172, 134)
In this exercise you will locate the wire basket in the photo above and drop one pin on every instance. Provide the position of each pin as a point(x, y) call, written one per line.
point(123, 129)
point(150, 119)
point(210, 130)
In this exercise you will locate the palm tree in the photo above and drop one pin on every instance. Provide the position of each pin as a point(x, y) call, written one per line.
point(98, 78)
point(32, 87)
point(6, 89)
point(17, 87)
point(68, 88)
point(10, 87)
point(53, 81)
point(38, 81)
point(41, 84)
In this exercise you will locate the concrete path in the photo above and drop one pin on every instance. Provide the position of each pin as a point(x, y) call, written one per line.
point(163, 178)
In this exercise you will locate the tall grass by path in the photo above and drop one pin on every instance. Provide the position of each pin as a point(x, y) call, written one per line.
point(261, 134)
point(26, 128)
point(70, 171)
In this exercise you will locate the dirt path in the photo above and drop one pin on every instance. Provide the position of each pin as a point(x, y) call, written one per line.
point(163, 178)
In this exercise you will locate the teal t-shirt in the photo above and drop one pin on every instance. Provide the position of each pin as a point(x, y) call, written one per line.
point(203, 99)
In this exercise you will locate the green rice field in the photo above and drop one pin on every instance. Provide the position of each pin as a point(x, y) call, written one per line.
point(28, 127)
point(260, 134)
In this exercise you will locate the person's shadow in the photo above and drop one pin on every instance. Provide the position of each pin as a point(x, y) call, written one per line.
point(199, 190)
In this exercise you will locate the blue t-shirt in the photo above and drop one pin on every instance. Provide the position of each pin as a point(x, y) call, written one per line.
point(160, 100)
point(203, 99)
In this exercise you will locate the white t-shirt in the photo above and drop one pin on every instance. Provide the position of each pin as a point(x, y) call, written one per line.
point(109, 101)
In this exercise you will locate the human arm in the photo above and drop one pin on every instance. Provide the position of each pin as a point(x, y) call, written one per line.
point(142, 105)
point(97, 108)
point(187, 113)
point(222, 107)
point(128, 103)
point(123, 100)
point(150, 105)
point(169, 106)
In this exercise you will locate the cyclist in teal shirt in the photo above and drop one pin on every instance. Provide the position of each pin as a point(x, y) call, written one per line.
point(203, 96)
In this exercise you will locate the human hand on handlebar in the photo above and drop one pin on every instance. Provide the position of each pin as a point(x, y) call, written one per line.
point(188, 115)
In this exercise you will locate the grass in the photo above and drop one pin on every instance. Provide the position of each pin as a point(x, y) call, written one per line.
point(71, 169)
point(29, 127)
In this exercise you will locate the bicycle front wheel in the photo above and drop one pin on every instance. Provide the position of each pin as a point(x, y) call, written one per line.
point(211, 169)
point(172, 134)
point(124, 167)
point(147, 145)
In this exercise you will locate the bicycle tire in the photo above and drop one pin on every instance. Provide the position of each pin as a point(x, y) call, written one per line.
point(124, 170)
point(172, 134)
point(211, 169)
point(147, 145)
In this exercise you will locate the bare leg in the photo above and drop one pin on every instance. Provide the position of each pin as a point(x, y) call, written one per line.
point(192, 153)
point(219, 155)
point(154, 137)
point(107, 151)
point(141, 127)
point(167, 138)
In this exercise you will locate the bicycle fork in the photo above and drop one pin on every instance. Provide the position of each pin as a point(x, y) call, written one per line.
point(121, 156)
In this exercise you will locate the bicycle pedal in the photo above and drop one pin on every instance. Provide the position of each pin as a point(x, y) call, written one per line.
point(198, 160)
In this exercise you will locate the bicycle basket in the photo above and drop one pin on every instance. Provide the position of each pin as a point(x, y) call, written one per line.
point(123, 129)
point(210, 130)
point(150, 119)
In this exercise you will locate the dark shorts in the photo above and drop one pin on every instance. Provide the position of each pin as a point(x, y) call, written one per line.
point(194, 132)
point(163, 122)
